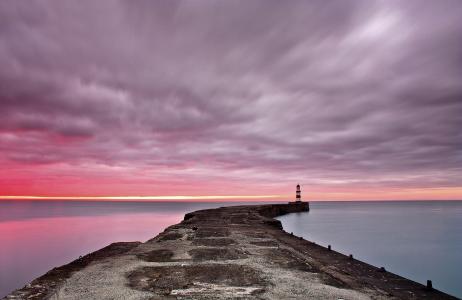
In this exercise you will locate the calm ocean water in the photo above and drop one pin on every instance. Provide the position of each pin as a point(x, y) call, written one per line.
point(419, 240)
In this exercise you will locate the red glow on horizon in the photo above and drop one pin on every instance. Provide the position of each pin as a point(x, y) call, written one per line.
point(354, 195)
point(112, 183)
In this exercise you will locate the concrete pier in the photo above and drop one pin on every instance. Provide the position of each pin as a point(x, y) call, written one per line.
point(225, 253)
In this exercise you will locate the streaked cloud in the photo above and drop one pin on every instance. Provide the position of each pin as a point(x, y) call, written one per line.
point(211, 96)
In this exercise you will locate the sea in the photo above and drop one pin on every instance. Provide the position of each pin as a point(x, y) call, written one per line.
point(419, 240)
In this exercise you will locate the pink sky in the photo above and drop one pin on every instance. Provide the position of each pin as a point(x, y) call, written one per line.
point(354, 100)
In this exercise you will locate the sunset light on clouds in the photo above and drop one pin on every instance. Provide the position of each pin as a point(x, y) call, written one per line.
point(188, 100)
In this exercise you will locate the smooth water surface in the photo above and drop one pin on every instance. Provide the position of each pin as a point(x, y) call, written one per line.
point(36, 236)
point(419, 240)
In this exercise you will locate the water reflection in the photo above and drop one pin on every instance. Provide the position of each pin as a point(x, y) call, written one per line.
point(31, 247)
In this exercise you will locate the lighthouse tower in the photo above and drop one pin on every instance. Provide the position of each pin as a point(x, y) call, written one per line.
point(298, 194)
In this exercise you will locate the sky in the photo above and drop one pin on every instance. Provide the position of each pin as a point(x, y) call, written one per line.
point(352, 99)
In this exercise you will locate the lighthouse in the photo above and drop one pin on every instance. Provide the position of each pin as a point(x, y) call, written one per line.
point(298, 194)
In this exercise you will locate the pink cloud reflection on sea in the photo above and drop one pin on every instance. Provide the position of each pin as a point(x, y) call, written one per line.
point(31, 247)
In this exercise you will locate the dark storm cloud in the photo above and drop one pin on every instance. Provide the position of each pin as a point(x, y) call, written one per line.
point(346, 91)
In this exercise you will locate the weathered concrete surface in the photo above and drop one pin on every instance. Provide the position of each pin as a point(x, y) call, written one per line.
point(224, 253)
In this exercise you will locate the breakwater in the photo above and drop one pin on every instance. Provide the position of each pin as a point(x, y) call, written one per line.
point(228, 252)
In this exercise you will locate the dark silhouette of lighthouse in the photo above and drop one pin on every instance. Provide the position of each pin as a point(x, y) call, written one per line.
point(298, 194)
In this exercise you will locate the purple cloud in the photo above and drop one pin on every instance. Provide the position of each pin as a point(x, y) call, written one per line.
point(345, 92)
